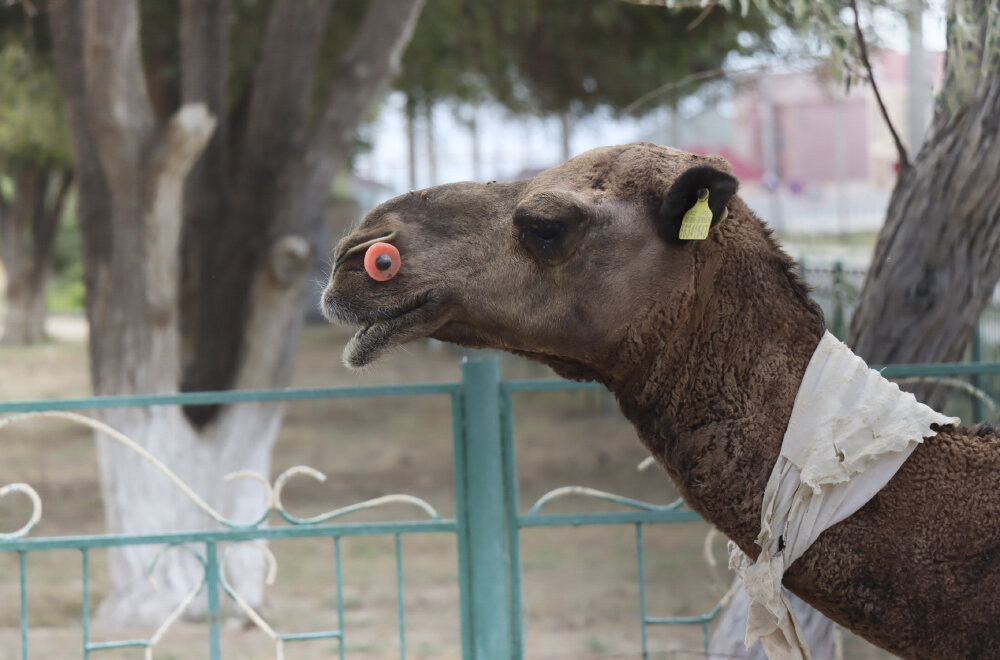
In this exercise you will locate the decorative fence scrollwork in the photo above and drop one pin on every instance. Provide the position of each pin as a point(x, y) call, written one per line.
point(487, 524)
point(273, 503)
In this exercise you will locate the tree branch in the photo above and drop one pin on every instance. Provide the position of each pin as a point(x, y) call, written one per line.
point(204, 52)
point(4, 202)
point(66, 178)
point(365, 70)
point(234, 250)
point(677, 4)
point(53, 210)
point(47, 215)
point(700, 76)
point(283, 82)
point(121, 113)
point(29, 7)
point(187, 134)
point(904, 160)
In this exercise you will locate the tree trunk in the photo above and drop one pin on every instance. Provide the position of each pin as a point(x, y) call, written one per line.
point(27, 237)
point(565, 135)
point(411, 140)
point(26, 311)
point(241, 438)
point(474, 143)
point(196, 268)
point(937, 259)
point(430, 143)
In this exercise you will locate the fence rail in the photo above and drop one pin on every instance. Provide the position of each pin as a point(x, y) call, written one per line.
point(837, 288)
point(487, 523)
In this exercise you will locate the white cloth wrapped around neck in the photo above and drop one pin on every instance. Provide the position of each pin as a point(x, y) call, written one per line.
point(849, 432)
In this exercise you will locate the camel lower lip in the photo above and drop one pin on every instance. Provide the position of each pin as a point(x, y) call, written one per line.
point(370, 341)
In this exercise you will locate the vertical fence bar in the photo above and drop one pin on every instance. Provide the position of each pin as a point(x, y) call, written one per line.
point(483, 518)
point(642, 589)
point(839, 294)
point(214, 614)
point(340, 595)
point(513, 527)
point(458, 452)
point(85, 609)
point(977, 379)
point(400, 600)
point(23, 562)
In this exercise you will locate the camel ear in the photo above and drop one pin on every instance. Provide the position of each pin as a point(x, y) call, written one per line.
point(697, 201)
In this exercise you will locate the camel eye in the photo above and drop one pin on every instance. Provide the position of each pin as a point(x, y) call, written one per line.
point(544, 239)
point(545, 232)
point(550, 227)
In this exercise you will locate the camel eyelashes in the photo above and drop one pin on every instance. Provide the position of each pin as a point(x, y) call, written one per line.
point(685, 193)
point(544, 240)
point(544, 237)
point(544, 232)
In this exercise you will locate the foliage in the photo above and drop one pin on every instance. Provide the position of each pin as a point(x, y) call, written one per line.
point(972, 26)
point(33, 128)
point(974, 45)
point(66, 291)
point(247, 25)
point(568, 56)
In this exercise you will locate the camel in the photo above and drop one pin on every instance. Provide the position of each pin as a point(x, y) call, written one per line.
point(704, 344)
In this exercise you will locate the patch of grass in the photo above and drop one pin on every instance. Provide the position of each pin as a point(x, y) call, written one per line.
point(66, 296)
point(596, 645)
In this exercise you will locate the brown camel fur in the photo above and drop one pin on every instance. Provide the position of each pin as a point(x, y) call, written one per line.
point(704, 344)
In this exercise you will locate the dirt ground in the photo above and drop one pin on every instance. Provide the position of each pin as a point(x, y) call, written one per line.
point(580, 586)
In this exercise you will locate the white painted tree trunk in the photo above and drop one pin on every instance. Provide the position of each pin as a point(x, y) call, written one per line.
point(196, 281)
point(24, 322)
point(241, 439)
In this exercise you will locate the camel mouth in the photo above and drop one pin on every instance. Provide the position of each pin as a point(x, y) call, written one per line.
point(389, 329)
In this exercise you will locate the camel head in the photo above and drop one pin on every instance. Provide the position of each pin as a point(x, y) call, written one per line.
point(559, 268)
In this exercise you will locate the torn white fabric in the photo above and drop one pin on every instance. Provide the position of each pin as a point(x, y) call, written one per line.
point(849, 432)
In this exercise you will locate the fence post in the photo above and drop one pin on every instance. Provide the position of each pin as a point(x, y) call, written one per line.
point(484, 553)
point(977, 379)
point(839, 294)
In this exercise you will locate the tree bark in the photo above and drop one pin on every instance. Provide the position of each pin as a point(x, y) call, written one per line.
point(565, 134)
point(937, 259)
point(475, 147)
point(204, 45)
point(236, 245)
point(94, 197)
point(28, 229)
point(197, 253)
point(430, 143)
point(410, 110)
point(279, 285)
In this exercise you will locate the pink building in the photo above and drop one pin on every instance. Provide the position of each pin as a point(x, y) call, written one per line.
point(803, 128)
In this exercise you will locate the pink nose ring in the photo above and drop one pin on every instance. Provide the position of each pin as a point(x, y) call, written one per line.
point(382, 261)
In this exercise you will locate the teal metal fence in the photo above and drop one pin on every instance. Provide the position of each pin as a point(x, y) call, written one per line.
point(487, 523)
point(837, 288)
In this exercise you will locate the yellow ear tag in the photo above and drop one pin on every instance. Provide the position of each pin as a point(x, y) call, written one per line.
point(697, 220)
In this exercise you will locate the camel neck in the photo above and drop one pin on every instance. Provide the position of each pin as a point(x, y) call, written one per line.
point(711, 401)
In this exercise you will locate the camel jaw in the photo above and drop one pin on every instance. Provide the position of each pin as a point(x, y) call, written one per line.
point(388, 330)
